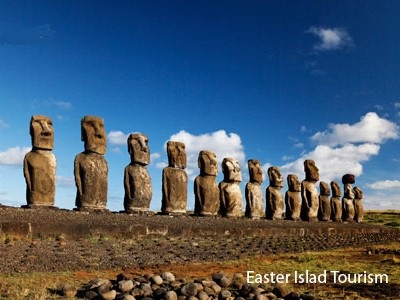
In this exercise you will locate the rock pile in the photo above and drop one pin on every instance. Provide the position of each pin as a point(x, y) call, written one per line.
point(166, 286)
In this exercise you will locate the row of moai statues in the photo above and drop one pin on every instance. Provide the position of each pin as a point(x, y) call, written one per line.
point(302, 201)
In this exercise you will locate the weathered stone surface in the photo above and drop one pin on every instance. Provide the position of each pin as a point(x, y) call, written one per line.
point(229, 189)
point(358, 205)
point(40, 164)
point(274, 198)
point(324, 210)
point(292, 198)
point(348, 211)
point(309, 193)
point(174, 180)
point(90, 166)
point(137, 181)
point(253, 192)
point(336, 204)
point(206, 191)
point(348, 179)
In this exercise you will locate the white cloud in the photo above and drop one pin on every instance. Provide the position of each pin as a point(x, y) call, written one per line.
point(13, 156)
point(331, 38)
point(370, 129)
point(154, 156)
point(63, 105)
point(345, 147)
point(384, 185)
point(219, 142)
point(117, 138)
point(382, 200)
point(65, 181)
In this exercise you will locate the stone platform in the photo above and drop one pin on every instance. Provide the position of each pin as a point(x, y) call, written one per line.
point(76, 224)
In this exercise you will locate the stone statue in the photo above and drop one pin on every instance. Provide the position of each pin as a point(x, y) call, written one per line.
point(253, 192)
point(137, 181)
point(274, 199)
point(358, 206)
point(174, 180)
point(348, 198)
point(229, 189)
point(292, 198)
point(309, 194)
point(324, 210)
point(206, 191)
point(90, 166)
point(336, 204)
point(40, 164)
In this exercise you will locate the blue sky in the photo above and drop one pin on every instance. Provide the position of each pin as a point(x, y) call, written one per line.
point(278, 81)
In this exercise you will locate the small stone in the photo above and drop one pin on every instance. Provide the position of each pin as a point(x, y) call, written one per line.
point(280, 290)
point(146, 289)
point(189, 289)
point(110, 295)
point(159, 293)
point(238, 280)
point(217, 289)
point(168, 276)
point(171, 295)
point(271, 296)
point(261, 297)
point(125, 286)
point(225, 294)
point(207, 283)
point(202, 295)
point(69, 291)
point(91, 295)
point(125, 297)
point(209, 291)
point(199, 287)
point(137, 292)
point(291, 296)
point(225, 282)
point(217, 276)
point(157, 279)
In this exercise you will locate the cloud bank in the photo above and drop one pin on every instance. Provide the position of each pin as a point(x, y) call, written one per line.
point(343, 148)
point(330, 38)
point(219, 142)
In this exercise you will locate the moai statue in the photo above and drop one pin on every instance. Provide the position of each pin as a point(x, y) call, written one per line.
point(40, 165)
point(309, 193)
point(336, 204)
point(358, 206)
point(324, 210)
point(292, 198)
point(206, 191)
point(348, 198)
point(230, 194)
point(90, 166)
point(174, 180)
point(274, 198)
point(253, 192)
point(137, 181)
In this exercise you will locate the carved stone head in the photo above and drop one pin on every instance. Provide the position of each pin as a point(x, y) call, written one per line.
point(336, 192)
point(138, 148)
point(275, 177)
point(324, 189)
point(358, 193)
point(231, 170)
point(348, 191)
point(94, 134)
point(42, 132)
point(311, 170)
point(207, 163)
point(293, 183)
point(176, 154)
point(255, 171)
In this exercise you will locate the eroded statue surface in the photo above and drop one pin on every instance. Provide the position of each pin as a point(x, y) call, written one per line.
point(230, 194)
point(336, 204)
point(309, 193)
point(348, 211)
point(253, 192)
point(292, 198)
point(358, 205)
point(40, 164)
point(274, 198)
point(137, 181)
point(206, 191)
point(324, 210)
point(90, 166)
point(175, 180)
